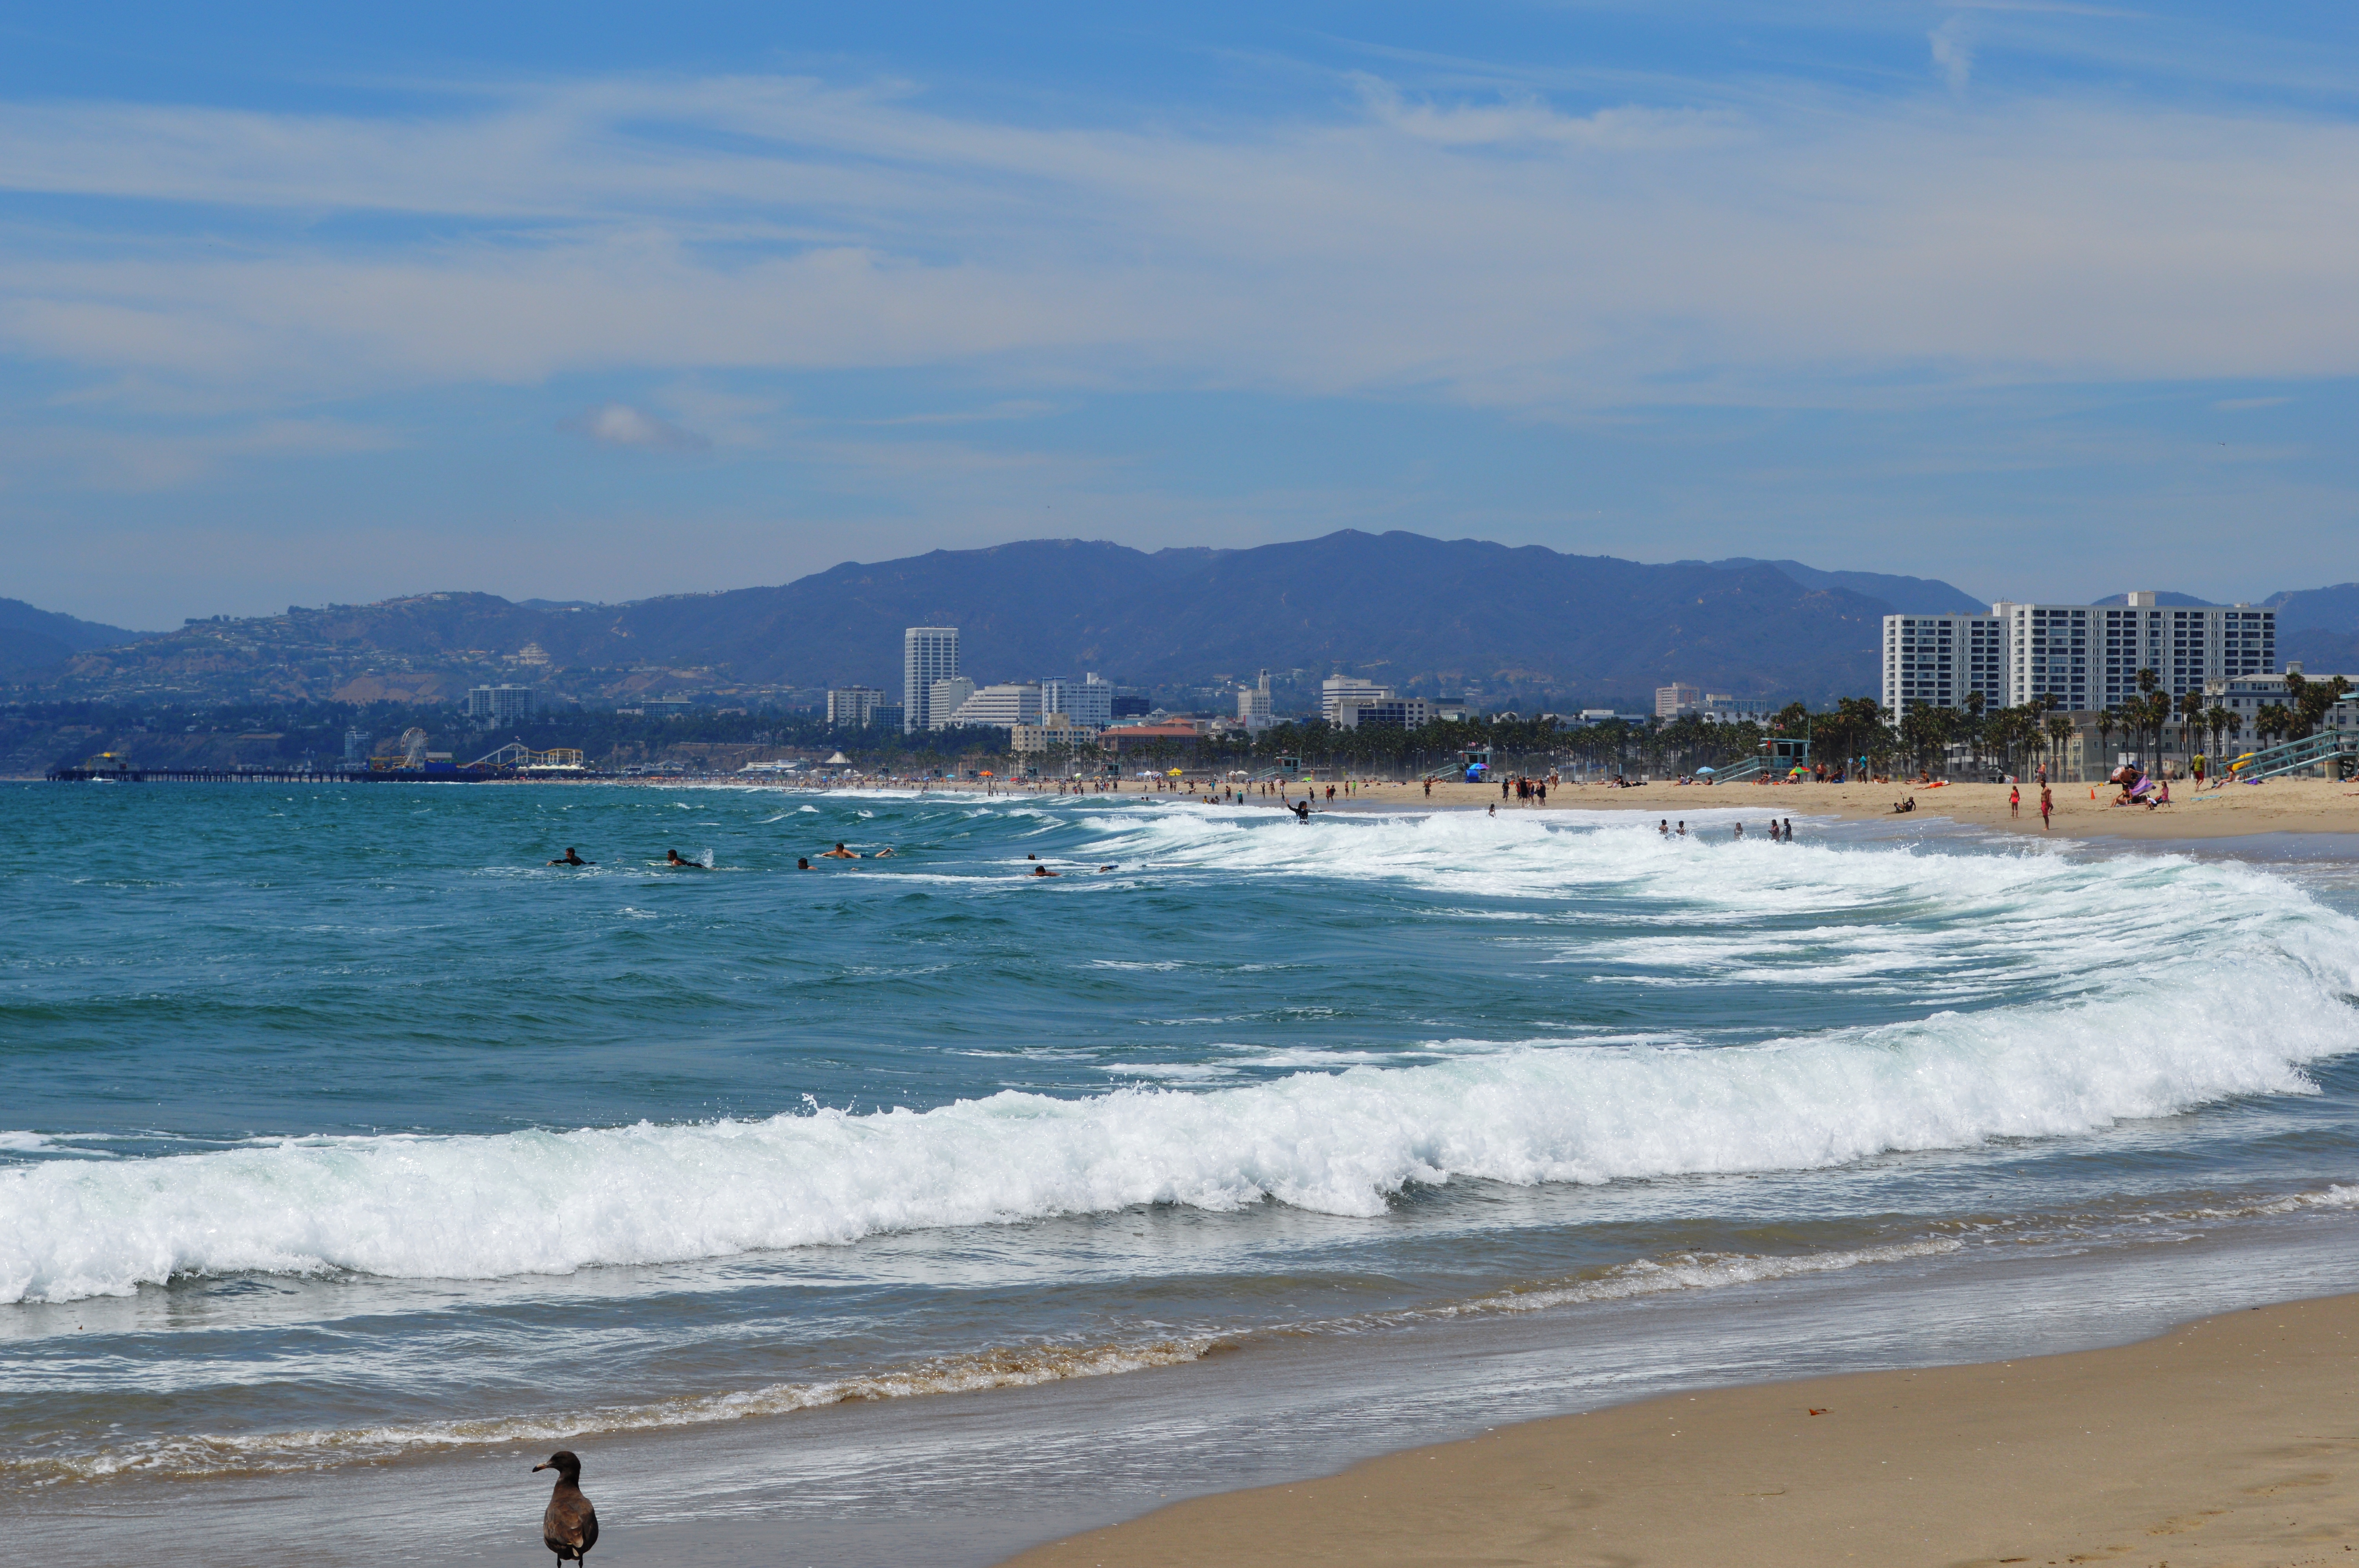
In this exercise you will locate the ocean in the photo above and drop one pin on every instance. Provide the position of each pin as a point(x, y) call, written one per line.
point(920, 1207)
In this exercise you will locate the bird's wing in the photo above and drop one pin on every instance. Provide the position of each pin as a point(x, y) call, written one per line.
point(569, 1521)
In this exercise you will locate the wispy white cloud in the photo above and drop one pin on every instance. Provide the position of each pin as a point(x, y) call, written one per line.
point(1953, 52)
point(620, 425)
point(1494, 250)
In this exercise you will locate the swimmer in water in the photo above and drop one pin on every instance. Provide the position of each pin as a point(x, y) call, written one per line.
point(1109, 867)
point(671, 858)
point(572, 858)
point(1043, 872)
point(838, 853)
point(801, 864)
point(1302, 809)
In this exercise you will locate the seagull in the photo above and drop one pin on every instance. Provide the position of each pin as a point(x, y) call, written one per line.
point(569, 1527)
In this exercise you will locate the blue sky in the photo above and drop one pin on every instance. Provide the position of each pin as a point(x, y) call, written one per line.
point(592, 301)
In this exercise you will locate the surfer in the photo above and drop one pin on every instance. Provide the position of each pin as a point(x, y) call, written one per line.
point(571, 858)
point(672, 857)
point(1043, 872)
point(838, 853)
point(1302, 809)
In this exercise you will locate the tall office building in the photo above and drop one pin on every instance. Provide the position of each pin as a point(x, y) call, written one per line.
point(1089, 701)
point(929, 654)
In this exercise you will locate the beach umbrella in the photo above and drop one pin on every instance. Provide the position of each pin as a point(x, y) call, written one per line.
point(1702, 771)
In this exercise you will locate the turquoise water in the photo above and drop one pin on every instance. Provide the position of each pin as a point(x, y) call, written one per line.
point(340, 1129)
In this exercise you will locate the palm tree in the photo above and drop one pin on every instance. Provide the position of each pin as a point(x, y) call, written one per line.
point(2271, 721)
point(2108, 722)
point(2059, 730)
point(2218, 719)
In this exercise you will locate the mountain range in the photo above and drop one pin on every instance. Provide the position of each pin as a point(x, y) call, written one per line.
point(34, 639)
point(1523, 624)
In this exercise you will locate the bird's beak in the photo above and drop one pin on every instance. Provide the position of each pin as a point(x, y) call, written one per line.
point(539, 1468)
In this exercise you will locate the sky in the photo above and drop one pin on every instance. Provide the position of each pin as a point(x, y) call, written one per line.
point(592, 301)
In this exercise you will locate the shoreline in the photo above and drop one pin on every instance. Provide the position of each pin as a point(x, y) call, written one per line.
point(2228, 1439)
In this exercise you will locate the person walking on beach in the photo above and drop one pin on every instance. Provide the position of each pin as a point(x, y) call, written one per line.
point(2014, 799)
point(2047, 805)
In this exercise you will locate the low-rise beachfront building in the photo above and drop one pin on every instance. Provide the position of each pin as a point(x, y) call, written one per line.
point(2246, 696)
point(945, 698)
point(1055, 731)
point(1722, 707)
point(1179, 733)
point(854, 704)
point(1383, 713)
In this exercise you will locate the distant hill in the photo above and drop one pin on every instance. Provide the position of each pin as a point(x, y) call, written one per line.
point(1907, 595)
point(1518, 626)
point(32, 639)
point(2321, 652)
point(2183, 600)
point(1432, 615)
point(2333, 608)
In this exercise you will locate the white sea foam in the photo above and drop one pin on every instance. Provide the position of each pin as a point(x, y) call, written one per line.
point(2159, 985)
point(212, 1453)
point(1695, 1272)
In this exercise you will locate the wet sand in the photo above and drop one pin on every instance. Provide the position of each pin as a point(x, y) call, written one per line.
point(2233, 1440)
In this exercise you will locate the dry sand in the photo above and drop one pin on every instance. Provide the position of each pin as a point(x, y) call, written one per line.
point(2275, 805)
point(2231, 1441)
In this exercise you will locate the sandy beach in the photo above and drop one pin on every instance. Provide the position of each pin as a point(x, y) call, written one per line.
point(2275, 806)
point(2229, 1440)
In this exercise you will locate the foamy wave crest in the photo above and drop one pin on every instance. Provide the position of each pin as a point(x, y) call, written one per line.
point(1340, 1143)
point(202, 1454)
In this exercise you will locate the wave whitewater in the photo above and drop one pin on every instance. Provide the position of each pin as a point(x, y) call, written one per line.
point(2226, 983)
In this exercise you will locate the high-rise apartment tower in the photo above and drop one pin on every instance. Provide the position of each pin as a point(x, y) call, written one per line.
point(929, 654)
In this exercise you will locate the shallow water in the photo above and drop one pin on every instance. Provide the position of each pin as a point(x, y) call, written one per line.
point(338, 1129)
